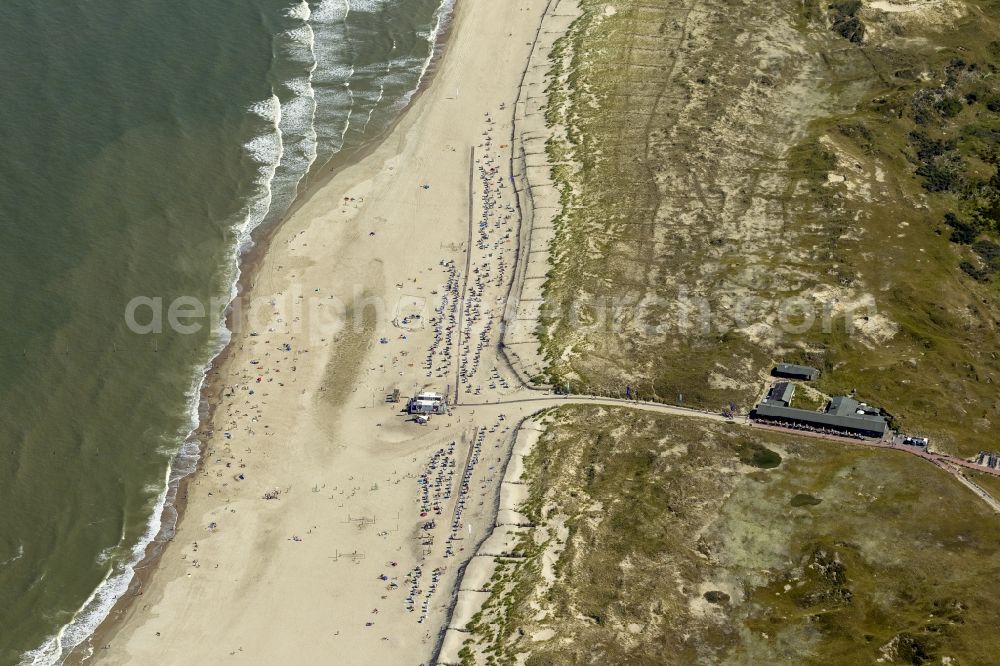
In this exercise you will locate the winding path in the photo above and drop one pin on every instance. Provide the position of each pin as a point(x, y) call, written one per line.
point(949, 463)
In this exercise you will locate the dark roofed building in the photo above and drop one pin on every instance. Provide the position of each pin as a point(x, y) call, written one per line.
point(781, 393)
point(842, 405)
point(843, 414)
point(793, 371)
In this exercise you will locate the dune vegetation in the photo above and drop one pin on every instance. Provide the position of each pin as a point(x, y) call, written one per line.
point(743, 183)
point(657, 540)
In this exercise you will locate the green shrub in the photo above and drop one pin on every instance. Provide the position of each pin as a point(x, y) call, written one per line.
point(963, 233)
point(949, 107)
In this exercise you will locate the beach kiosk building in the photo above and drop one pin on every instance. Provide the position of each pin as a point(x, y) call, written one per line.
point(427, 403)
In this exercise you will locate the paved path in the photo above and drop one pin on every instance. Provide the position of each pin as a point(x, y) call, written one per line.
point(545, 401)
point(951, 464)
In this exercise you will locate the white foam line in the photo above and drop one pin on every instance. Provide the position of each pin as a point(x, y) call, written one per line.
point(115, 583)
point(350, 107)
point(305, 37)
point(269, 151)
point(16, 557)
point(98, 605)
point(314, 139)
point(442, 15)
point(325, 11)
point(258, 147)
point(300, 11)
point(381, 86)
point(369, 6)
point(100, 602)
point(371, 111)
point(333, 70)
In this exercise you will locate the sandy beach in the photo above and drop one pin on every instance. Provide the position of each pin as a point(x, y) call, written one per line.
point(325, 526)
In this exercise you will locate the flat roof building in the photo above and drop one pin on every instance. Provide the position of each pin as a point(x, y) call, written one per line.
point(793, 371)
point(843, 415)
point(427, 407)
point(427, 403)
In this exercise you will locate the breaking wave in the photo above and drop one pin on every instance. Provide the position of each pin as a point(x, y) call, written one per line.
point(325, 101)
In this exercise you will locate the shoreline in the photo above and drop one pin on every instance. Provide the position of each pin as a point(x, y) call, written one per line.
point(248, 262)
point(252, 262)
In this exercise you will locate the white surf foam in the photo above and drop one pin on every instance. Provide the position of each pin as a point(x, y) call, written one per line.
point(441, 18)
point(335, 59)
point(300, 11)
point(266, 149)
point(294, 123)
point(97, 606)
point(331, 11)
point(15, 557)
point(369, 6)
point(296, 48)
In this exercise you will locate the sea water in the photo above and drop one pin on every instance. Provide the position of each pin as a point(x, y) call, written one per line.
point(143, 143)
